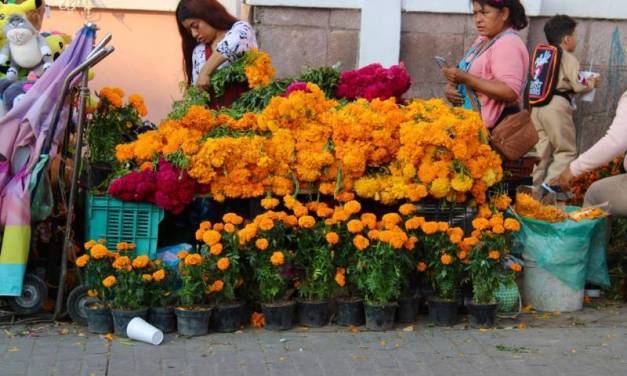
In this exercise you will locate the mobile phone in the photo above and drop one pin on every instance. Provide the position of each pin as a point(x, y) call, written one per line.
point(440, 61)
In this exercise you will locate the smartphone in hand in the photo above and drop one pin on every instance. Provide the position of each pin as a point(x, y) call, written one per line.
point(441, 62)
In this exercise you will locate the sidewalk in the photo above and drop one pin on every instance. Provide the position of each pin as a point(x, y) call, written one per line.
point(591, 342)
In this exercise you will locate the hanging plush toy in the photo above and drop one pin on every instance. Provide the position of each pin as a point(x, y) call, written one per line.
point(25, 48)
point(6, 10)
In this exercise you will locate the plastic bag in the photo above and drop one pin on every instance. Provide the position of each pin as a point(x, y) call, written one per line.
point(575, 252)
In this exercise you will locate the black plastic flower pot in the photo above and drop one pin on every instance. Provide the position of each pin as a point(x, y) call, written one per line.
point(121, 318)
point(313, 314)
point(193, 322)
point(163, 318)
point(99, 320)
point(227, 318)
point(407, 310)
point(97, 173)
point(350, 312)
point(483, 315)
point(443, 312)
point(380, 317)
point(278, 316)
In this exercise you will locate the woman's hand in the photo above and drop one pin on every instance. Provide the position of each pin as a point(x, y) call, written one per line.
point(452, 94)
point(564, 180)
point(455, 75)
point(203, 81)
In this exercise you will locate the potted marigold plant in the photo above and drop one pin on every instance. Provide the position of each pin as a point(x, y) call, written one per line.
point(192, 313)
point(96, 264)
point(349, 302)
point(485, 266)
point(270, 260)
point(128, 284)
point(161, 281)
point(409, 301)
point(443, 262)
point(111, 123)
point(315, 260)
point(379, 270)
point(222, 251)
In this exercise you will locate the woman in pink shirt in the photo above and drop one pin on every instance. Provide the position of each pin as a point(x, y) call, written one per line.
point(492, 75)
point(612, 189)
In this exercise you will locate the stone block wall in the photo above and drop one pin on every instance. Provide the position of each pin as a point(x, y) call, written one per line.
point(300, 38)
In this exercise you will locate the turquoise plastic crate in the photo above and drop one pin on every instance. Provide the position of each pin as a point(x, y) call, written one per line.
point(120, 221)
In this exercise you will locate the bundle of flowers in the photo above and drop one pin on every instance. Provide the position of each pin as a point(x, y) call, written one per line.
point(374, 81)
point(253, 68)
point(581, 184)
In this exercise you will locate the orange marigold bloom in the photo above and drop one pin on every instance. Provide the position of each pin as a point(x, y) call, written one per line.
point(414, 223)
point(480, 223)
point(374, 234)
point(340, 279)
point(232, 218)
point(498, 229)
point(355, 226)
point(121, 246)
point(193, 259)
point(261, 244)
point(332, 238)
point(217, 286)
point(516, 267)
point(369, 220)
point(512, 225)
point(455, 235)
point(218, 226)
point(82, 261)
point(300, 210)
point(216, 249)
point(92, 293)
point(277, 259)
point(109, 282)
point(391, 218)
point(182, 254)
point(140, 262)
point(159, 275)
point(407, 209)
point(205, 225)
point(421, 267)
point(462, 255)
point(429, 227)
point(199, 233)
point(269, 203)
point(89, 244)
point(502, 202)
point(257, 320)
point(266, 224)
point(122, 262)
point(147, 277)
point(361, 242)
point(442, 226)
point(306, 221)
point(99, 251)
point(229, 228)
point(211, 237)
point(324, 211)
point(471, 241)
point(494, 255)
point(446, 259)
point(352, 207)
point(224, 263)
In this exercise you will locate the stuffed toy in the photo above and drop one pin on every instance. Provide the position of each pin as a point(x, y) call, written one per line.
point(25, 48)
point(6, 10)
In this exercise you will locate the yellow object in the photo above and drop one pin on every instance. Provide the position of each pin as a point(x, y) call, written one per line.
point(6, 10)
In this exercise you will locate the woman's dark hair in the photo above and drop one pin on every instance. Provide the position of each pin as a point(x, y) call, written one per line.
point(559, 27)
point(210, 11)
point(517, 15)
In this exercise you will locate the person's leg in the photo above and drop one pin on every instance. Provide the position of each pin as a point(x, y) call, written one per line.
point(612, 190)
point(543, 148)
point(563, 139)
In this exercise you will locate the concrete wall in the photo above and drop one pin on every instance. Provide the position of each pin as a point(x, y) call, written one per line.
point(306, 37)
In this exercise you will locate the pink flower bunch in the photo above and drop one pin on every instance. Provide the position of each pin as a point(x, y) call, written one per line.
point(168, 188)
point(374, 81)
point(296, 86)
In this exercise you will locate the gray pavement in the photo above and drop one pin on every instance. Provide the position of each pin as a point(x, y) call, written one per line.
point(589, 343)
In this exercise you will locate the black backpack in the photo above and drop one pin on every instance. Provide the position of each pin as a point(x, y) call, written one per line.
point(544, 75)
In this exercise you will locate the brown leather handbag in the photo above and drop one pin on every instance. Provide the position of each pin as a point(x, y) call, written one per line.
point(514, 136)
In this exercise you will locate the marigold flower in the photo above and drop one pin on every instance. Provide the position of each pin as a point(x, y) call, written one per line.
point(269, 203)
point(300, 210)
point(199, 234)
point(462, 255)
point(218, 227)
point(355, 226)
point(121, 246)
point(498, 229)
point(122, 262)
point(92, 293)
point(340, 279)
point(471, 241)
point(224, 263)
point(261, 244)
point(266, 224)
point(414, 223)
point(306, 221)
point(140, 262)
point(446, 259)
point(182, 254)
point(407, 209)
point(332, 238)
point(232, 218)
point(391, 218)
point(516, 267)
point(277, 259)
point(352, 207)
point(502, 202)
point(89, 244)
point(494, 255)
point(147, 277)
point(229, 228)
point(369, 220)
point(442, 226)
point(512, 225)
point(361, 242)
point(99, 251)
point(193, 259)
point(109, 282)
point(205, 225)
point(257, 320)
point(374, 234)
point(217, 286)
point(82, 261)
point(429, 228)
point(421, 267)
point(211, 237)
point(216, 249)
point(159, 275)
point(480, 224)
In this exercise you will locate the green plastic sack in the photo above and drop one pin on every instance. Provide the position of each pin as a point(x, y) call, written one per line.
point(575, 252)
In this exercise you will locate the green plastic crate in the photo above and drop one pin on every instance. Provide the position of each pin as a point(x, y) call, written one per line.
point(120, 221)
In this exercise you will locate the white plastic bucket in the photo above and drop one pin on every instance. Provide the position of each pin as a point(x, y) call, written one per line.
point(546, 293)
point(140, 330)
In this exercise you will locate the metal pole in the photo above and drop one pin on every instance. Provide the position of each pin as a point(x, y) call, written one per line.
point(67, 242)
